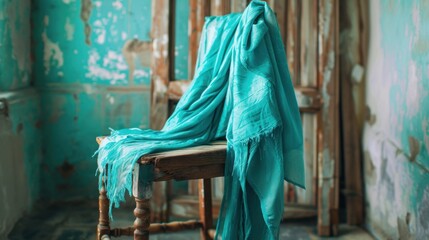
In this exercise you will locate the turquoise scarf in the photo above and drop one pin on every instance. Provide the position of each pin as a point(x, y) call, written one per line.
point(242, 91)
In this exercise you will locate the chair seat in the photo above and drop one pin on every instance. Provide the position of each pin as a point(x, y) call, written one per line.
point(203, 161)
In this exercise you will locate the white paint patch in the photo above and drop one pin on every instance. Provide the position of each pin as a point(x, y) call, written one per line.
point(124, 35)
point(160, 46)
point(98, 4)
point(51, 52)
point(68, 1)
point(117, 5)
point(69, 27)
point(159, 86)
point(413, 90)
point(100, 31)
point(140, 73)
point(114, 60)
point(101, 37)
point(109, 69)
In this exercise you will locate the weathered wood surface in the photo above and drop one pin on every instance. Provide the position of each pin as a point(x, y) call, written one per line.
point(205, 206)
point(350, 58)
point(142, 192)
point(220, 7)
point(238, 5)
point(328, 131)
point(213, 153)
point(169, 227)
point(103, 227)
point(198, 10)
point(292, 38)
point(161, 64)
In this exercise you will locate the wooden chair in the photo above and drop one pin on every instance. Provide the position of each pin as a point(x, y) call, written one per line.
point(202, 162)
point(303, 26)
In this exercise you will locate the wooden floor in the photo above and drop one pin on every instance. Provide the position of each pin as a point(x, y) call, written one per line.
point(77, 221)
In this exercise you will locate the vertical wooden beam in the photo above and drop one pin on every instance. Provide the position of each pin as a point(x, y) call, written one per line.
point(193, 37)
point(350, 58)
point(160, 64)
point(279, 8)
point(292, 38)
point(160, 77)
point(308, 43)
point(198, 10)
point(238, 5)
point(220, 7)
point(328, 152)
point(205, 208)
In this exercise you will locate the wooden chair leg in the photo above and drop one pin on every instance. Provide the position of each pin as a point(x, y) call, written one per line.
point(142, 222)
point(142, 192)
point(103, 227)
point(205, 202)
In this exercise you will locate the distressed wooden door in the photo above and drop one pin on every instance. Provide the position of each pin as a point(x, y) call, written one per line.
point(309, 29)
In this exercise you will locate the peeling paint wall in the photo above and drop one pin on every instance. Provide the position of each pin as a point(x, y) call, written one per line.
point(20, 134)
point(92, 62)
point(20, 157)
point(15, 63)
point(396, 133)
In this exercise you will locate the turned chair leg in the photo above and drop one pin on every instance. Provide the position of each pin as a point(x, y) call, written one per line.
point(142, 192)
point(142, 222)
point(205, 209)
point(103, 227)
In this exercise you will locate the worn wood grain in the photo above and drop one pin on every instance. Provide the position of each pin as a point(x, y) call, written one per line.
point(205, 207)
point(350, 56)
point(192, 36)
point(279, 8)
point(238, 5)
point(175, 226)
point(328, 150)
point(308, 43)
point(292, 38)
point(103, 227)
point(220, 7)
point(161, 64)
point(201, 155)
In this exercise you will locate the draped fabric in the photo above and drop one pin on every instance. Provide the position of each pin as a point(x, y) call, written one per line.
point(241, 91)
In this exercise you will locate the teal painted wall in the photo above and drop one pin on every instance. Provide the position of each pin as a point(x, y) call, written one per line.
point(92, 68)
point(20, 128)
point(396, 134)
point(91, 71)
point(92, 62)
point(15, 63)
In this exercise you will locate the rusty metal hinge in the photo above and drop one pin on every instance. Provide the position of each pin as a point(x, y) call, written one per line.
point(4, 109)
